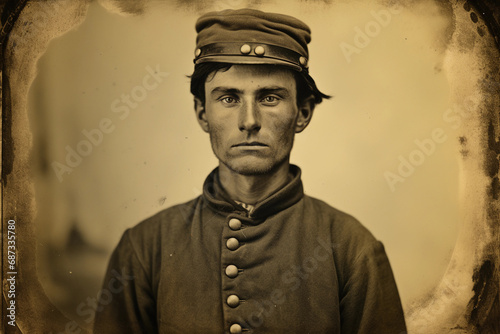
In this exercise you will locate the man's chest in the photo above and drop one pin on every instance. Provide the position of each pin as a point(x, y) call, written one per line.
point(226, 272)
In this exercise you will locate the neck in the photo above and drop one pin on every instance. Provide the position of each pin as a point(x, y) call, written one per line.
point(250, 189)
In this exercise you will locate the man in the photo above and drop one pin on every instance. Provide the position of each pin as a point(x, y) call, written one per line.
point(252, 254)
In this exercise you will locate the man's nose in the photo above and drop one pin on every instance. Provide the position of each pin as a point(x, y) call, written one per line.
point(249, 118)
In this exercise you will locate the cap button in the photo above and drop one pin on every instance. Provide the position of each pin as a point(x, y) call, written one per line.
point(259, 51)
point(197, 53)
point(303, 61)
point(245, 49)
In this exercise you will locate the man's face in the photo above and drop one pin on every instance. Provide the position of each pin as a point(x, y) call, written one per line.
point(251, 114)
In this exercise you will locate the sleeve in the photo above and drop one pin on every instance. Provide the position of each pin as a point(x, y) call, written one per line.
point(370, 300)
point(126, 303)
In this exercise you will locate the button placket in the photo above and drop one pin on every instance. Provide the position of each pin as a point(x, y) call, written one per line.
point(231, 273)
point(231, 270)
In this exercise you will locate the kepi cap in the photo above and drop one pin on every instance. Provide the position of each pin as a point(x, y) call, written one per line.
point(249, 36)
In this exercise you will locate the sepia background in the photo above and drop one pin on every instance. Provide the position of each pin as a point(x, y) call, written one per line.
point(387, 148)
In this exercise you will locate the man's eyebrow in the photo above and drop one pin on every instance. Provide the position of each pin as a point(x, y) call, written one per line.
point(226, 90)
point(274, 89)
point(263, 90)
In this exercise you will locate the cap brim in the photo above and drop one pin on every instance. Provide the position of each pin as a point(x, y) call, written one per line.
point(248, 60)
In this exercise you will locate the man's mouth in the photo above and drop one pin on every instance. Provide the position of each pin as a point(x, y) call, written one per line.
point(253, 143)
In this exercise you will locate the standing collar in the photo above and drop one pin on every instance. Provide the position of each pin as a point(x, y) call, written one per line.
point(218, 198)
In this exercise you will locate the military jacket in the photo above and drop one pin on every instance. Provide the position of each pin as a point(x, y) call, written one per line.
point(293, 264)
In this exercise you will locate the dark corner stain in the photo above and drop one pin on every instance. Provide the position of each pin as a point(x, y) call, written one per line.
point(492, 164)
point(7, 141)
point(480, 31)
point(489, 10)
point(473, 17)
point(483, 309)
point(10, 12)
point(483, 305)
point(495, 188)
point(467, 6)
point(491, 324)
point(482, 277)
point(493, 143)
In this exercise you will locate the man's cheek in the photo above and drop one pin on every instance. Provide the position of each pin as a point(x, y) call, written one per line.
point(217, 140)
point(285, 130)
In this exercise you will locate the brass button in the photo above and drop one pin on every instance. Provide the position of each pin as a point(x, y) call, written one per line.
point(259, 51)
point(303, 61)
point(231, 271)
point(232, 243)
point(234, 224)
point(235, 329)
point(245, 49)
point(197, 53)
point(233, 301)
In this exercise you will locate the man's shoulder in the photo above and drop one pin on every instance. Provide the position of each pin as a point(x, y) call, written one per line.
point(350, 239)
point(343, 226)
point(172, 217)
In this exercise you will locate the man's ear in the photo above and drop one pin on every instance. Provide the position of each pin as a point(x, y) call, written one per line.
point(201, 115)
point(306, 109)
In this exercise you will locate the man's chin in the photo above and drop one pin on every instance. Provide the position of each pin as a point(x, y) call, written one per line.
point(251, 166)
point(251, 170)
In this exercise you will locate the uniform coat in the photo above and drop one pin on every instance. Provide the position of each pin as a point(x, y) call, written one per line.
point(293, 264)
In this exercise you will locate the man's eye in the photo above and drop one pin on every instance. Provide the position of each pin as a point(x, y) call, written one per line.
point(228, 100)
point(270, 100)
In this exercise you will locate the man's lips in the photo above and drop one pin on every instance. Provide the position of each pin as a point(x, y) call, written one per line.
point(253, 143)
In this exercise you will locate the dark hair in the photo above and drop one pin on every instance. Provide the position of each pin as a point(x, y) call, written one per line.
point(304, 82)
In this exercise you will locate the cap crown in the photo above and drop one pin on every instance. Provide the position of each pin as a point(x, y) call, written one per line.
point(251, 36)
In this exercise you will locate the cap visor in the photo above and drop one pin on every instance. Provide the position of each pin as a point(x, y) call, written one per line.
point(250, 60)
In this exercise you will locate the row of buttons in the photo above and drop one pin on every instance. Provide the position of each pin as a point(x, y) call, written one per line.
point(232, 271)
point(259, 51)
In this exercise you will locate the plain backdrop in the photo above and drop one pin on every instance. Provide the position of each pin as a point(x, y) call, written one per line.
point(387, 95)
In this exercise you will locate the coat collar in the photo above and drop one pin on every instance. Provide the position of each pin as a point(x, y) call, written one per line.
point(218, 199)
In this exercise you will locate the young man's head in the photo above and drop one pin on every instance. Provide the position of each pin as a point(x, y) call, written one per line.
point(252, 97)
